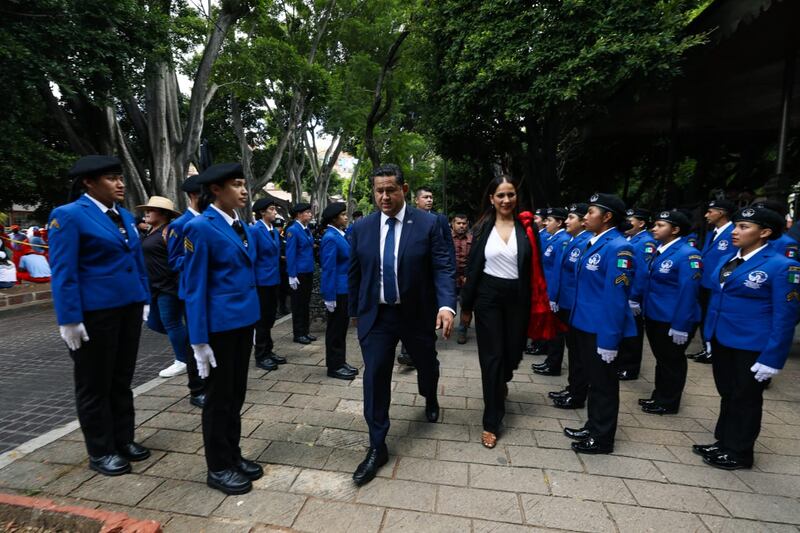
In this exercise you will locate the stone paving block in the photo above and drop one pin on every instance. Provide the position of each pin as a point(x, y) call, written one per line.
point(325, 484)
point(328, 419)
point(544, 458)
point(588, 487)
point(701, 476)
point(630, 519)
point(179, 421)
point(551, 439)
point(780, 445)
point(674, 497)
point(398, 428)
point(31, 476)
point(670, 423)
point(296, 388)
point(438, 431)
point(481, 526)
point(271, 413)
point(174, 441)
point(398, 494)
point(548, 411)
point(510, 479)
point(654, 436)
point(192, 524)
point(432, 471)
point(290, 453)
point(129, 489)
point(60, 452)
point(265, 397)
point(288, 431)
point(276, 477)
point(158, 403)
point(471, 452)
point(265, 506)
point(786, 431)
point(719, 524)
point(143, 415)
point(137, 513)
point(186, 497)
point(351, 407)
point(685, 455)
point(337, 391)
point(761, 483)
point(478, 503)
point(69, 482)
point(759, 507)
point(625, 467)
point(252, 448)
point(566, 513)
point(188, 467)
point(538, 423)
point(411, 447)
point(319, 516)
point(305, 401)
point(412, 522)
point(465, 417)
point(341, 438)
point(643, 450)
point(777, 464)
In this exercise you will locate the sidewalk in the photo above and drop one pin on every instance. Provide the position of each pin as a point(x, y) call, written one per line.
point(309, 433)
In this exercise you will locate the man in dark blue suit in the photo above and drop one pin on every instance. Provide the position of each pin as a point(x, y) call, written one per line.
point(401, 288)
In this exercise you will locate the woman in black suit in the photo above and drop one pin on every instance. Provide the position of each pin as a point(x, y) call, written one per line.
point(498, 289)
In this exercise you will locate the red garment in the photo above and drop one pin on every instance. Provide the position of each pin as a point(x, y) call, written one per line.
point(543, 323)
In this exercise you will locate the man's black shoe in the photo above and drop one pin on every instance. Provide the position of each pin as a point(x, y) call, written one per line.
point(405, 359)
point(558, 394)
point(646, 401)
point(198, 400)
point(310, 337)
point(110, 465)
point(250, 469)
point(535, 349)
point(577, 434)
point(706, 449)
point(543, 364)
point(266, 363)
point(302, 340)
point(432, 409)
point(627, 375)
point(281, 360)
point(133, 451)
point(655, 409)
point(342, 373)
point(568, 402)
point(591, 446)
point(704, 359)
point(366, 471)
point(695, 355)
point(547, 370)
point(229, 481)
point(351, 368)
point(725, 461)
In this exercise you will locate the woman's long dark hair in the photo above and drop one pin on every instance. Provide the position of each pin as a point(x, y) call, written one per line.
point(206, 198)
point(488, 212)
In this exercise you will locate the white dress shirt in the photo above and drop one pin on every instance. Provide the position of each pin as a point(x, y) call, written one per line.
point(398, 230)
point(343, 234)
point(663, 248)
point(103, 207)
point(501, 256)
point(226, 216)
point(268, 226)
point(751, 254)
point(192, 211)
point(596, 237)
point(718, 231)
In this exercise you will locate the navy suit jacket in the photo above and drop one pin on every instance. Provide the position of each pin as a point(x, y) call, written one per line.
point(425, 274)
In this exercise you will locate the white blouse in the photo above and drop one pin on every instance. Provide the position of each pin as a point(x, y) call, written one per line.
point(501, 257)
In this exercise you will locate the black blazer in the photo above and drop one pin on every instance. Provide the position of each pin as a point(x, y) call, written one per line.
point(477, 260)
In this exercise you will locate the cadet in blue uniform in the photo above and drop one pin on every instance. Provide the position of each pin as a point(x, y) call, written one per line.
point(785, 244)
point(629, 361)
point(574, 395)
point(671, 310)
point(222, 307)
point(300, 267)
point(750, 325)
point(551, 264)
point(334, 253)
point(100, 295)
point(268, 280)
point(717, 245)
point(601, 318)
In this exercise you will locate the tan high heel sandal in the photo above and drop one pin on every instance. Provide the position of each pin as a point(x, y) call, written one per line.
point(488, 439)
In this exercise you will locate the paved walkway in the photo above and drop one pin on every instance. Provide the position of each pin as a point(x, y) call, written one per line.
point(308, 431)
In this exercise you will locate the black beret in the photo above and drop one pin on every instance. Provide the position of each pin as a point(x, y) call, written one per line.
point(540, 212)
point(299, 208)
point(579, 209)
point(190, 184)
point(332, 211)
point(608, 202)
point(722, 205)
point(220, 172)
point(557, 212)
point(779, 207)
point(358, 213)
point(766, 218)
point(676, 218)
point(641, 214)
point(263, 203)
point(95, 165)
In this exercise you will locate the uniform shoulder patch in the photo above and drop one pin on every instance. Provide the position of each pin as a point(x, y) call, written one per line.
point(794, 295)
point(172, 233)
point(622, 279)
point(623, 253)
point(288, 234)
point(187, 245)
point(794, 268)
point(794, 277)
point(54, 224)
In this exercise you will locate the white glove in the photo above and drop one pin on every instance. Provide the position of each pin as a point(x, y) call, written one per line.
point(554, 307)
point(763, 372)
point(204, 356)
point(294, 283)
point(74, 335)
point(708, 346)
point(635, 307)
point(607, 355)
point(678, 337)
point(330, 306)
point(2, 255)
point(145, 312)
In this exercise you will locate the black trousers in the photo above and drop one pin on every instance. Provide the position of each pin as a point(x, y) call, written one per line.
point(630, 349)
point(603, 398)
point(225, 391)
point(577, 382)
point(741, 400)
point(671, 365)
point(104, 367)
point(336, 334)
point(378, 348)
point(500, 329)
point(301, 300)
point(197, 385)
point(268, 300)
point(555, 347)
point(703, 298)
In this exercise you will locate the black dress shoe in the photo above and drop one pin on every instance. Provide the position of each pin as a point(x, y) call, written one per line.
point(535, 349)
point(342, 373)
point(558, 394)
point(250, 469)
point(547, 370)
point(198, 400)
point(655, 409)
point(568, 402)
point(302, 340)
point(591, 446)
point(627, 375)
point(351, 367)
point(725, 461)
point(310, 337)
point(110, 465)
point(695, 355)
point(543, 364)
point(706, 449)
point(405, 359)
point(229, 481)
point(281, 360)
point(577, 434)
point(366, 471)
point(704, 359)
point(266, 363)
point(133, 451)
point(432, 409)
point(646, 401)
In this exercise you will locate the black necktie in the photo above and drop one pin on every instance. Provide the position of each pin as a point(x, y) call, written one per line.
point(729, 267)
point(239, 229)
point(117, 220)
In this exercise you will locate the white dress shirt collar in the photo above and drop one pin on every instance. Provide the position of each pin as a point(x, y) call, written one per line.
point(597, 237)
point(751, 254)
point(718, 231)
point(400, 216)
point(226, 216)
point(337, 229)
point(192, 211)
point(663, 248)
point(103, 207)
point(268, 226)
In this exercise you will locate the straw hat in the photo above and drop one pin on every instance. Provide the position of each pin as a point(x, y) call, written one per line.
point(159, 202)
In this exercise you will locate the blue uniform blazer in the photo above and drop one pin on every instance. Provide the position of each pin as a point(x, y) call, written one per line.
point(222, 294)
point(644, 246)
point(93, 265)
point(786, 246)
point(299, 250)
point(268, 260)
point(334, 258)
point(757, 307)
point(175, 252)
point(721, 247)
point(425, 275)
point(672, 285)
point(551, 261)
point(565, 282)
point(603, 282)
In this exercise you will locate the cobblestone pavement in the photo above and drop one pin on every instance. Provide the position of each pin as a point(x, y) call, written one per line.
point(308, 431)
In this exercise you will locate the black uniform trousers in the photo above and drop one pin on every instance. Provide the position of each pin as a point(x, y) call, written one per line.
point(555, 347)
point(577, 382)
point(703, 298)
point(741, 399)
point(104, 367)
point(603, 398)
point(225, 391)
point(378, 348)
point(336, 334)
point(500, 329)
point(301, 300)
point(197, 385)
point(268, 301)
point(629, 357)
point(671, 365)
